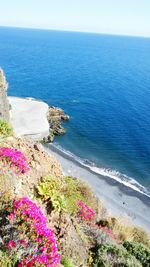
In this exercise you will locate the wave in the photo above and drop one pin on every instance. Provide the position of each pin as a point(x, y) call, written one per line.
point(107, 172)
point(75, 101)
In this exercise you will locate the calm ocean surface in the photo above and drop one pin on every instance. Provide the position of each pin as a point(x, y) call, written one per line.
point(101, 81)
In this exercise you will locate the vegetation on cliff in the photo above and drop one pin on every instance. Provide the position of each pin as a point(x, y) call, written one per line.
point(5, 129)
point(44, 214)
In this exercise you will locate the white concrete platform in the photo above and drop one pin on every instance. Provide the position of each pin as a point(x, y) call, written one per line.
point(29, 117)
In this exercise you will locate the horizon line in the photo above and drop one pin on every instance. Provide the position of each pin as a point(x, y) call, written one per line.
point(75, 31)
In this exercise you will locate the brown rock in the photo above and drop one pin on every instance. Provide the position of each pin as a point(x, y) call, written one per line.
point(37, 146)
point(55, 118)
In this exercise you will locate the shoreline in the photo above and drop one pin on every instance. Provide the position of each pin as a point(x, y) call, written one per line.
point(119, 199)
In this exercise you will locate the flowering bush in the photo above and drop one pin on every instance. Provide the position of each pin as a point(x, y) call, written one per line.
point(15, 159)
point(86, 212)
point(64, 195)
point(109, 232)
point(25, 235)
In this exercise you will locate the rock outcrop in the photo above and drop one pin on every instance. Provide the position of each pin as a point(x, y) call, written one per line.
point(55, 117)
point(4, 104)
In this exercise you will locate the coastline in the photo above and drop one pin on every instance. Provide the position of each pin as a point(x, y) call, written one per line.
point(120, 201)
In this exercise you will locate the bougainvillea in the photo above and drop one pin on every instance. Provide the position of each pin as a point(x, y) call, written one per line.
point(86, 212)
point(15, 159)
point(30, 239)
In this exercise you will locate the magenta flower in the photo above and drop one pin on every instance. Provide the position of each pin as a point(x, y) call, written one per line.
point(15, 159)
point(28, 216)
point(86, 212)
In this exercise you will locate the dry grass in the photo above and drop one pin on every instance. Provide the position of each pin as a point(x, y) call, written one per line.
point(128, 232)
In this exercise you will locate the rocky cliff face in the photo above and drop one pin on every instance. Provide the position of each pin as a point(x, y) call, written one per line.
point(70, 239)
point(4, 105)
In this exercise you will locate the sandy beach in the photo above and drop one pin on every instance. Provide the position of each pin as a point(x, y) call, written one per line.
point(29, 119)
point(119, 199)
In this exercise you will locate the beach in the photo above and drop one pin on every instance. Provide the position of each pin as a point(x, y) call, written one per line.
point(120, 200)
point(29, 118)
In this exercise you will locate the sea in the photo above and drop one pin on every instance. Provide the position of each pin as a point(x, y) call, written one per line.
point(102, 82)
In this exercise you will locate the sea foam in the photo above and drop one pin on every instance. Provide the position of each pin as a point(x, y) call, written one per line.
point(112, 174)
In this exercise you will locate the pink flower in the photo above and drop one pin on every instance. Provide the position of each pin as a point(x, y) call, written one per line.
point(23, 242)
point(86, 212)
point(15, 158)
point(28, 214)
point(11, 244)
point(108, 232)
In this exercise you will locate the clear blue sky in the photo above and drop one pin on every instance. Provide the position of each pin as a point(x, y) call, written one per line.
point(131, 17)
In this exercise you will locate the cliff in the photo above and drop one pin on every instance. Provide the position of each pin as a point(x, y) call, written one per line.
point(84, 232)
point(49, 219)
point(4, 105)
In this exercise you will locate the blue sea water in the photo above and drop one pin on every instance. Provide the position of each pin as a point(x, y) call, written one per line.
point(101, 81)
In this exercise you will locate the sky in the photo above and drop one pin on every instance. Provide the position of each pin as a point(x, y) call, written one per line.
point(125, 17)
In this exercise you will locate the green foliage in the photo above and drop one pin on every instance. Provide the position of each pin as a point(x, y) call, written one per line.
point(67, 262)
point(58, 201)
point(5, 129)
point(49, 189)
point(112, 256)
point(49, 138)
point(65, 194)
point(139, 251)
point(76, 190)
point(51, 135)
point(47, 186)
point(81, 233)
point(6, 260)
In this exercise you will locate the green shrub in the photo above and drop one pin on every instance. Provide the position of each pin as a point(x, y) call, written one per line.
point(139, 251)
point(76, 190)
point(65, 194)
point(50, 190)
point(48, 185)
point(5, 129)
point(58, 201)
point(6, 261)
point(67, 262)
point(112, 256)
